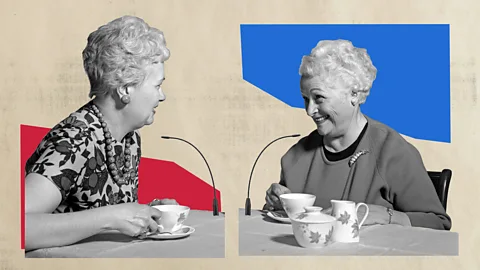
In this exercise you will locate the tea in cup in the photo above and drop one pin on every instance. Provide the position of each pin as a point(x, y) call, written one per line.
point(172, 217)
point(347, 227)
point(295, 203)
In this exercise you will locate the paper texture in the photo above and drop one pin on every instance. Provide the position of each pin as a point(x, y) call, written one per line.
point(208, 102)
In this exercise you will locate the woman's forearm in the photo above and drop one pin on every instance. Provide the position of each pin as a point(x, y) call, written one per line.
point(430, 220)
point(50, 230)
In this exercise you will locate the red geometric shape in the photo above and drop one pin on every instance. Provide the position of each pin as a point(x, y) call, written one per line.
point(157, 179)
point(30, 137)
point(166, 179)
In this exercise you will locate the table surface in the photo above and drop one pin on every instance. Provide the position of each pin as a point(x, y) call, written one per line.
point(208, 241)
point(259, 235)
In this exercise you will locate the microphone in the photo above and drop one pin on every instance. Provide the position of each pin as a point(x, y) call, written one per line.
point(248, 205)
point(215, 204)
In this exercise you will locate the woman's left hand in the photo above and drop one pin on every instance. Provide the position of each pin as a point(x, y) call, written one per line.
point(379, 215)
point(376, 215)
point(163, 202)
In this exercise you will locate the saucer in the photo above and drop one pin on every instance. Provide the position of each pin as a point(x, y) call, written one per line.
point(280, 216)
point(184, 231)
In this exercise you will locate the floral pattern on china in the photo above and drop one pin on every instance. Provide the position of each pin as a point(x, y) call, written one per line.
point(315, 237)
point(313, 228)
point(181, 218)
point(345, 218)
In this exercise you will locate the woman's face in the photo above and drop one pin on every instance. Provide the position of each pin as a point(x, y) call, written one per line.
point(144, 98)
point(330, 107)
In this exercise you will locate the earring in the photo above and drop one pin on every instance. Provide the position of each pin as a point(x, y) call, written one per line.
point(125, 99)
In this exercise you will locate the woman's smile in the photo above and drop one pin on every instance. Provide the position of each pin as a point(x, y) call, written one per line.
point(320, 119)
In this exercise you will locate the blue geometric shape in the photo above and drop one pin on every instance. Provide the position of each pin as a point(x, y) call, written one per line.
point(411, 92)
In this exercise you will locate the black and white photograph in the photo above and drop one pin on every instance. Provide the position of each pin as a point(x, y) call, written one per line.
point(354, 185)
point(82, 196)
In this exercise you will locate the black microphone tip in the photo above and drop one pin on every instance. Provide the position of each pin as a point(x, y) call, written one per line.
point(215, 207)
point(296, 135)
point(165, 137)
point(248, 207)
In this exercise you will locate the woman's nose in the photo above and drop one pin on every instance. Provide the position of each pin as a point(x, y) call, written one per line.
point(311, 108)
point(162, 95)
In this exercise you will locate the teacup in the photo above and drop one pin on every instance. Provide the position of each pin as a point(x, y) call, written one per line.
point(172, 217)
point(294, 203)
point(347, 227)
point(312, 228)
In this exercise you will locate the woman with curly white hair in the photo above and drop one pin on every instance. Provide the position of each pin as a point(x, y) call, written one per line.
point(83, 177)
point(351, 156)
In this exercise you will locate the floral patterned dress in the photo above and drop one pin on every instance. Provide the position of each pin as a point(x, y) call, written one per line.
point(72, 155)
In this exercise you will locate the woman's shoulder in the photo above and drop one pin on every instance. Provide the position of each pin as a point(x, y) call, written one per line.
point(386, 140)
point(77, 128)
point(305, 144)
point(76, 125)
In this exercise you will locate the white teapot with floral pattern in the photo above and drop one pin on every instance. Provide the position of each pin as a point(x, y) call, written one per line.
point(312, 228)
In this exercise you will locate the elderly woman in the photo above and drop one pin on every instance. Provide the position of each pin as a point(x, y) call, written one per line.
point(351, 156)
point(83, 177)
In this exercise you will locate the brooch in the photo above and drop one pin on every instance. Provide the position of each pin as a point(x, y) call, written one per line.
point(354, 158)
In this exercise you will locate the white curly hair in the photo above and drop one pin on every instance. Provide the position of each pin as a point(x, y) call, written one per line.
point(118, 52)
point(334, 60)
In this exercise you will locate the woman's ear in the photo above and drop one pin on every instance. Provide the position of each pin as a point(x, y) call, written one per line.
point(354, 99)
point(123, 93)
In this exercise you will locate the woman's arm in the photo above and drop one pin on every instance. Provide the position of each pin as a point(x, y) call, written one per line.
point(52, 230)
point(412, 190)
point(44, 229)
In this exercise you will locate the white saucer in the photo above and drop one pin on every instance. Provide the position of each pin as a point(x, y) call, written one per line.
point(283, 218)
point(184, 231)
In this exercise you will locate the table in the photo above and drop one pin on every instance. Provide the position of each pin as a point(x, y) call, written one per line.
point(208, 241)
point(260, 235)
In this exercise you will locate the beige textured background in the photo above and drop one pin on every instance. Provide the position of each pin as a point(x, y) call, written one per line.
point(208, 103)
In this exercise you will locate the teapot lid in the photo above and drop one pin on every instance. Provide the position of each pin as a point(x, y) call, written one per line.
point(313, 214)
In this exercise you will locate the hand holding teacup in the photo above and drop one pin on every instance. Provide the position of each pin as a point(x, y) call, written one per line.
point(133, 219)
point(272, 197)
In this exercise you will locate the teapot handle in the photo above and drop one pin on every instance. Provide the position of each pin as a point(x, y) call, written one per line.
point(366, 213)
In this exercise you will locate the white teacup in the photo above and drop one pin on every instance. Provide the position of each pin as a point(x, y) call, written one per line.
point(294, 203)
point(347, 227)
point(172, 217)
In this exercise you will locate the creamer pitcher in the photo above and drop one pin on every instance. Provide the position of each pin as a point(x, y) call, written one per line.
point(347, 227)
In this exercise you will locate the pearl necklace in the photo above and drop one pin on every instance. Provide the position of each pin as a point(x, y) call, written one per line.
point(110, 152)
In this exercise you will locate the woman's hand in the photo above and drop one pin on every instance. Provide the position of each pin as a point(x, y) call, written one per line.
point(272, 197)
point(376, 215)
point(379, 215)
point(134, 219)
point(163, 202)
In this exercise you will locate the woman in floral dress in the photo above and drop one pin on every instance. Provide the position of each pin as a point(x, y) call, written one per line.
point(83, 177)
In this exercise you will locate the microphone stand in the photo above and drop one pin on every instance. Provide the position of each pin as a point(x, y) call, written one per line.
point(215, 204)
point(248, 205)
